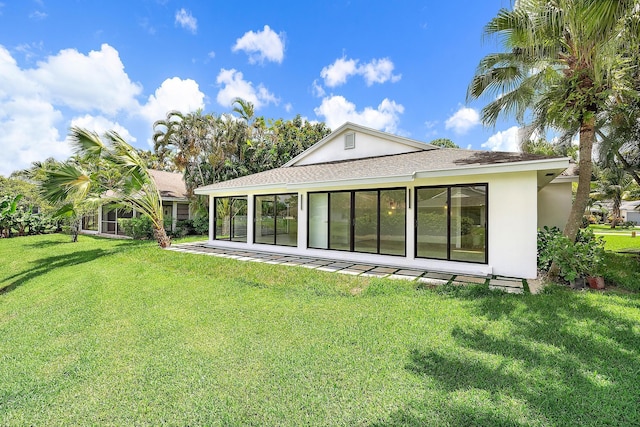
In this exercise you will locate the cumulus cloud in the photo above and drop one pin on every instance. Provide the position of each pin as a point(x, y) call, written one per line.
point(234, 86)
point(336, 110)
point(29, 133)
point(508, 140)
point(265, 45)
point(96, 81)
point(32, 102)
point(463, 120)
point(317, 89)
point(375, 71)
point(173, 94)
point(337, 73)
point(100, 125)
point(187, 21)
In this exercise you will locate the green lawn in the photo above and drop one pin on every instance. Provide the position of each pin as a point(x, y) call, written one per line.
point(109, 332)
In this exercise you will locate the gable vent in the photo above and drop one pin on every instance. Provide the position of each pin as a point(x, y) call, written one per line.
point(349, 141)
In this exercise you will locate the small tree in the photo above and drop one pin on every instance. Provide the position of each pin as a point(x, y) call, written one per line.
point(105, 171)
point(444, 143)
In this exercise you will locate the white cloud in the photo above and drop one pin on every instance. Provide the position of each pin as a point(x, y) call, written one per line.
point(93, 82)
point(173, 94)
point(262, 45)
point(100, 125)
point(288, 107)
point(336, 110)
point(32, 102)
point(379, 71)
point(508, 140)
point(29, 133)
point(337, 73)
point(463, 120)
point(37, 15)
point(234, 86)
point(211, 54)
point(187, 21)
point(317, 89)
point(375, 71)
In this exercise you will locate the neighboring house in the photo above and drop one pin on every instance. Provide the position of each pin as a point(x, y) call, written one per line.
point(367, 196)
point(175, 206)
point(630, 211)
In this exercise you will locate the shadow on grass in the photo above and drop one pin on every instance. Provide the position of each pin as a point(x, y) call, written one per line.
point(44, 265)
point(559, 360)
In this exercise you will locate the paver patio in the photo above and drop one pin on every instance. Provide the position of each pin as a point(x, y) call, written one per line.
point(506, 284)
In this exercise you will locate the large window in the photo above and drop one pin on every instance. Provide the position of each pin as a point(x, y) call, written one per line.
point(276, 219)
point(369, 221)
point(110, 217)
point(230, 218)
point(451, 223)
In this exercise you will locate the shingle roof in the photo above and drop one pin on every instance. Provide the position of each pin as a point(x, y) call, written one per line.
point(170, 184)
point(375, 167)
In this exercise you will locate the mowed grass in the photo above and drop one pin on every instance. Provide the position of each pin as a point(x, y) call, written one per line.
point(107, 332)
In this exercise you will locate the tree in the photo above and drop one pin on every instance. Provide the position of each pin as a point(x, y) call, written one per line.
point(612, 183)
point(8, 206)
point(105, 170)
point(444, 143)
point(565, 63)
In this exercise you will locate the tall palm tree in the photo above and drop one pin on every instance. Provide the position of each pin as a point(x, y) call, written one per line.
point(613, 184)
point(110, 171)
point(564, 64)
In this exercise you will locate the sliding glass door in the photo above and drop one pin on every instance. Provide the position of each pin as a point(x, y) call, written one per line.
point(368, 221)
point(230, 218)
point(451, 223)
point(276, 219)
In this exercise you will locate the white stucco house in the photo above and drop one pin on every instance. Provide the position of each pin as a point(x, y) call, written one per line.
point(175, 205)
point(367, 196)
point(630, 211)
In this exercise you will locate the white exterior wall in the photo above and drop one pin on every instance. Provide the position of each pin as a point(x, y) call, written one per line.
point(512, 246)
point(366, 146)
point(554, 205)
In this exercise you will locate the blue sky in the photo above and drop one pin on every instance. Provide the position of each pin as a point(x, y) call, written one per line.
point(397, 66)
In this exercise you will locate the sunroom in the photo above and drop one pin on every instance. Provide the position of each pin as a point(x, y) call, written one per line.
point(371, 197)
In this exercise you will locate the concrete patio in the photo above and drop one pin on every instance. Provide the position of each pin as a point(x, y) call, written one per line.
point(506, 284)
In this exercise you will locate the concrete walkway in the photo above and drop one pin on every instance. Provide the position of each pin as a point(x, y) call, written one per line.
point(506, 284)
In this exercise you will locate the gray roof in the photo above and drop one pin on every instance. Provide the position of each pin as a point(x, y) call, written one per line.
point(376, 167)
point(170, 184)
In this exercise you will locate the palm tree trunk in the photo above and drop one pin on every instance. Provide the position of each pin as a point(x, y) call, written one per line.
point(163, 240)
point(585, 166)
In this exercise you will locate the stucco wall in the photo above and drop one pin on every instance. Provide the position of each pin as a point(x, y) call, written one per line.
point(366, 146)
point(512, 226)
point(554, 205)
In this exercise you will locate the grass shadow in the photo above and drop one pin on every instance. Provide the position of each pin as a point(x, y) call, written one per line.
point(564, 360)
point(44, 265)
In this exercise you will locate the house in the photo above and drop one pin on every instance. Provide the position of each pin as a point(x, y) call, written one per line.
point(630, 211)
point(367, 196)
point(175, 205)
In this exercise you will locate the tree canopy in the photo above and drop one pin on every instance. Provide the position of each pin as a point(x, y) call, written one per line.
point(566, 63)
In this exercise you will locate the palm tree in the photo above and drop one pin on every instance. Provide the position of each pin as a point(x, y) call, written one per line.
point(564, 62)
point(105, 171)
point(613, 184)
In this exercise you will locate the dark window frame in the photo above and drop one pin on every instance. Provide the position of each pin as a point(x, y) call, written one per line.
point(275, 217)
point(352, 220)
point(231, 224)
point(448, 188)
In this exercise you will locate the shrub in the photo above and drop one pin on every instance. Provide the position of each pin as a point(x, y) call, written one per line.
point(137, 228)
point(184, 227)
point(584, 257)
point(546, 235)
point(201, 224)
point(627, 224)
